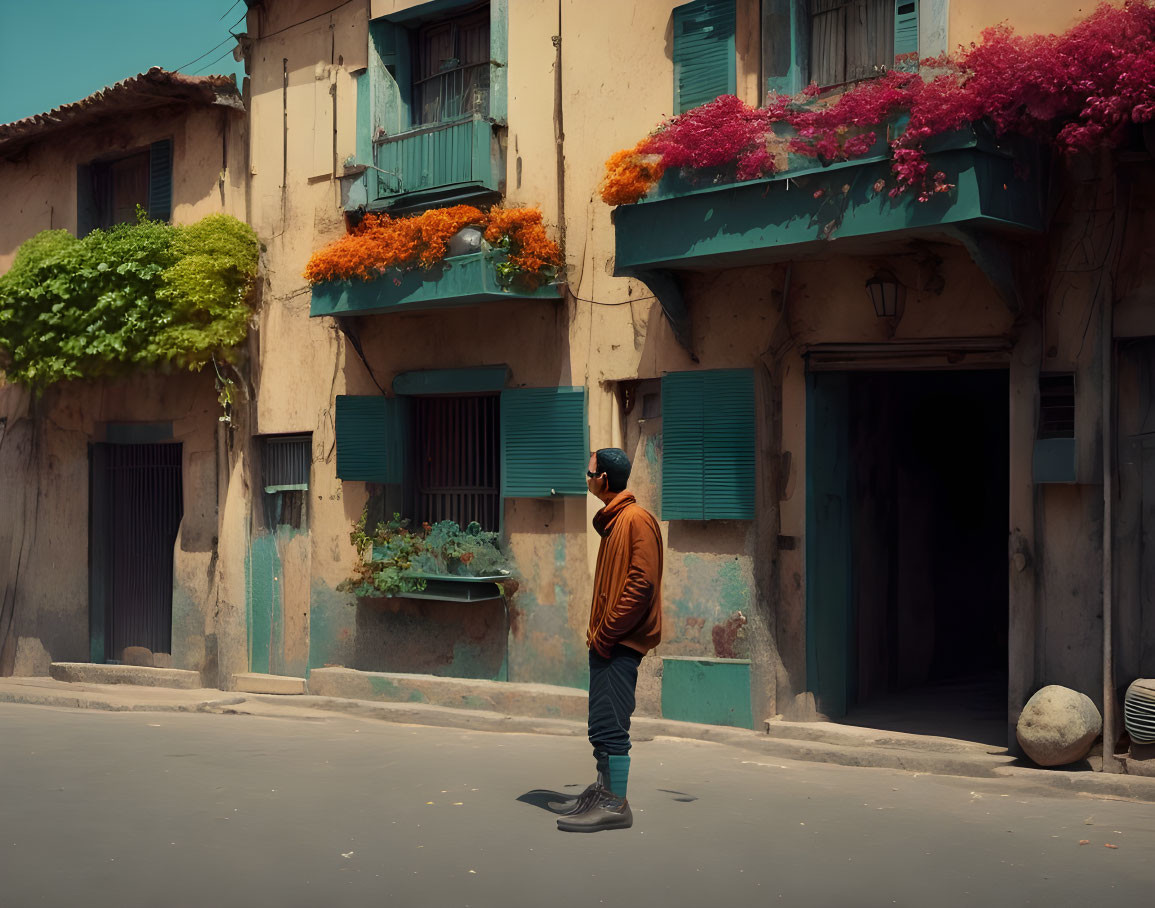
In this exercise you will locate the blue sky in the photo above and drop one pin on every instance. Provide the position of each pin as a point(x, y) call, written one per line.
point(56, 51)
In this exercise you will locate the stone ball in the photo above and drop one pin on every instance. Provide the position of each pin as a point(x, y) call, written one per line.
point(1058, 726)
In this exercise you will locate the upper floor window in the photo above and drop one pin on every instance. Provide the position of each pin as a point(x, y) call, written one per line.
point(109, 190)
point(451, 68)
point(851, 40)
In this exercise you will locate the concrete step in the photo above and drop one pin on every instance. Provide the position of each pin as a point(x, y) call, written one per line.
point(546, 701)
point(94, 673)
point(256, 683)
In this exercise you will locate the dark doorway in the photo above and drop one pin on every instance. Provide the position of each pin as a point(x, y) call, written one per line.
point(135, 511)
point(912, 508)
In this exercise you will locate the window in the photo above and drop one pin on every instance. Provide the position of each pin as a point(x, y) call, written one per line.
point(432, 105)
point(109, 190)
point(708, 445)
point(458, 452)
point(451, 68)
point(1055, 455)
point(285, 464)
point(851, 40)
point(704, 59)
point(455, 457)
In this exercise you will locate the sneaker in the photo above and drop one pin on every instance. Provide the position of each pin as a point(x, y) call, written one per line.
point(605, 811)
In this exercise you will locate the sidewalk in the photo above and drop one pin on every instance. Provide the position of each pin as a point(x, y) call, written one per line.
point(820, 742)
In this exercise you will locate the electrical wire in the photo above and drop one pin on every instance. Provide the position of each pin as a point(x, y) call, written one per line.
point(229, 10)
point(636, 299)
point(303, 21)
point(222, 44)
point(227, 53)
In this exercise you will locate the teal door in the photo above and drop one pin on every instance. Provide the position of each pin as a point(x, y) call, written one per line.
point(829, 580)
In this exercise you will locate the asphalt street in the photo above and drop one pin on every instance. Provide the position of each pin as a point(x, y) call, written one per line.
point(124, 809)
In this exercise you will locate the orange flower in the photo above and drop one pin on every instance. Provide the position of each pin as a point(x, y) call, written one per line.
point(630, 174)
point(379, 243)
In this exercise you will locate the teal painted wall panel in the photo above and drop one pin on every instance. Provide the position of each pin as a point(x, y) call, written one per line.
point(1055, 460)
point(262, 566)
point(710, 691)
point(829, 581)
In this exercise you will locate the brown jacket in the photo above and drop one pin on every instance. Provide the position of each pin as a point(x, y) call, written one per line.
point(627, 604)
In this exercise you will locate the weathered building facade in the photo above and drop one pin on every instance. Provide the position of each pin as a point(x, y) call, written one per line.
point(110, 489)
point(894, 445)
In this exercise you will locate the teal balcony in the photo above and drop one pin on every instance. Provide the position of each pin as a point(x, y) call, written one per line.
point(798, 213)
point(463, 280)
point(456, 161)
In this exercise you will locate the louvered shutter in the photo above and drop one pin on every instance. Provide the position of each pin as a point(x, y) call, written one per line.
point(704, 61)
point(372, 438)
point(729, 423)
point(708, 445)
point(544, 442)
point(683, 446)
point(906, 30)
point(160, 180)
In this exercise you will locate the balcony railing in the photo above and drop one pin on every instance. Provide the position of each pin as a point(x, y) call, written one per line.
point(458, 159)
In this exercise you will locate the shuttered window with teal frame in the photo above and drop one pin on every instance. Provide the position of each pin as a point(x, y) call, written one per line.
point(906, 31)
point(708, 445)
point(705, 64)
point(160, 180)
point(372, 438)
point(544, 442)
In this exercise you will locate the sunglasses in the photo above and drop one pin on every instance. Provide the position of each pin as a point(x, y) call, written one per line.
point(592, 475)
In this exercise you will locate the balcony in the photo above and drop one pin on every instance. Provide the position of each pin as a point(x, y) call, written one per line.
point(450, 162)
point(798, 213)
point(463, 280)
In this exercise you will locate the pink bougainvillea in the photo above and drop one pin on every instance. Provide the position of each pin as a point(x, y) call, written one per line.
point(1078, 90)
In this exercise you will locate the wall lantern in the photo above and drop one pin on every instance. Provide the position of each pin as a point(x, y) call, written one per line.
point(886, 294)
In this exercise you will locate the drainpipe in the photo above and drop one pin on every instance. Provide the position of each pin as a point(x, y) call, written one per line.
point(559, 129)
point(1110, 711)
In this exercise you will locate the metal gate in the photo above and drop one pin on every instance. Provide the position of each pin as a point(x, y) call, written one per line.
point(458, 456)
point(136, 506)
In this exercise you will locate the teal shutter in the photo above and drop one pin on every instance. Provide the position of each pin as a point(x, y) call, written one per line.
point(160, 180)
point(729, 421)
point(708, 445)
point(372, 438)
point(705, 65)
point(544, 442)
point(683, 446)
point(905, 29)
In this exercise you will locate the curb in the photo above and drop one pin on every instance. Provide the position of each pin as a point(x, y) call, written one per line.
point(985, 766)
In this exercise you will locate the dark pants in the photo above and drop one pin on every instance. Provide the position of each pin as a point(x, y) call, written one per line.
point(612, 685)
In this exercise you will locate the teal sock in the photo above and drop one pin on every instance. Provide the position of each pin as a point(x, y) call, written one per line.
point(619, 773)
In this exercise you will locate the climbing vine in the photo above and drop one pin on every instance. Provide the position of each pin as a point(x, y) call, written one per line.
point(135, 296)
point(1079, 91)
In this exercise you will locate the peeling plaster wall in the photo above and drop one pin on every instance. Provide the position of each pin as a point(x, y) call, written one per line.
point(43, 444)
point(44, 512)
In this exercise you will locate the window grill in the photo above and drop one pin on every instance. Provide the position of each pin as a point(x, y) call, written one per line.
point(452, 69)
point(286, 463)
point(458, 452)
point(1057, 406)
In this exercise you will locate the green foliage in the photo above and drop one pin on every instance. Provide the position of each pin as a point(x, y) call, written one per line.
point(134, 296)
point(391, 559)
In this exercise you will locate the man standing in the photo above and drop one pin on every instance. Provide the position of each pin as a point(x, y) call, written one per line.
point(625, 624)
